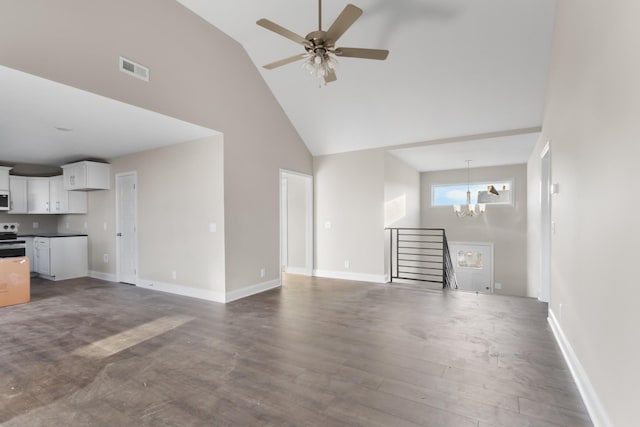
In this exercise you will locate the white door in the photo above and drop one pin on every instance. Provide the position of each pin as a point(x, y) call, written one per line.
point(296, 223)
point(545, 225)
point(473, 265)
point(126, 228)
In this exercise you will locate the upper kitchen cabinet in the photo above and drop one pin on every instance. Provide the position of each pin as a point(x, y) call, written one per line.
point(38, 196)
point(18, 192)
point(4, 177)
point(62, 201)
point(86, 176)
point(47, 196)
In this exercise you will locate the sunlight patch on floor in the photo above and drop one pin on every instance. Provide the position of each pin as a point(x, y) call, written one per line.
point(126, 339)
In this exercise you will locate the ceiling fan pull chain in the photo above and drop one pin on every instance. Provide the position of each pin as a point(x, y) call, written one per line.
point(319, 15)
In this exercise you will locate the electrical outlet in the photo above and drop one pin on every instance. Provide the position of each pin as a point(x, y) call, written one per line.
point(327, 224)
point(66, 224)
point(105, 257)
point(86, 225)
point(347, 264)
point(174, 275)
point(498, 285)
point(213, 227)
point(104, 225)
point(36, 225)
point(263, 272)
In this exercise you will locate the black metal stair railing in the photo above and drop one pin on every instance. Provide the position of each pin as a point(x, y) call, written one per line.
point(421, 255)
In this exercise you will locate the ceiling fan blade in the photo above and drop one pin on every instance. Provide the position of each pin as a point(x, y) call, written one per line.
point(285, 61)
point(272, 26)
point(354, 52)
point(331, 77)
point(343, 22)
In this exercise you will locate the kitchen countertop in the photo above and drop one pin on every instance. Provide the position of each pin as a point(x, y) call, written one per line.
point(52, 235)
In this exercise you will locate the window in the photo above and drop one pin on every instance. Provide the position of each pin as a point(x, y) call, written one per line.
point(456, 194)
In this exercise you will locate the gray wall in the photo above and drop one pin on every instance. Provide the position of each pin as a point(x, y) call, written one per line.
point(198, 74)
point(180, 192)
point(360, 193)
point(349, 193)
point(502, 225)
point(591, 118)
point(401, 194)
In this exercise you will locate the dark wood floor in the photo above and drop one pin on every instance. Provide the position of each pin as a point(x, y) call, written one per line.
point(316, 352)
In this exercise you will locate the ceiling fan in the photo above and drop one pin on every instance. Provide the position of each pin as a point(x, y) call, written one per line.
point(320, 45)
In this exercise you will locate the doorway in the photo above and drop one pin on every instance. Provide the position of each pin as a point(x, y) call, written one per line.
point(126, 228)
point(296, 223)
point(545, 224)
point(473, 265)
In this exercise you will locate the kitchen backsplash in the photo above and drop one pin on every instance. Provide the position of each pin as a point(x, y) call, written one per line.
point(45, 223)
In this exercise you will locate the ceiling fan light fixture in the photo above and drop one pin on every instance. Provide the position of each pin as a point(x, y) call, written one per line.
point(320, 65)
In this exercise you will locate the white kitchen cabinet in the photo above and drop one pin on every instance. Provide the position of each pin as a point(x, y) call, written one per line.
point(18, 194)
point(58, 198)
point(63, 201)
point(29, 251)
point(86, 175)
point(4, 177)
point(38, 196)
point(61, 257)
point(42, 252)
point(47, 195)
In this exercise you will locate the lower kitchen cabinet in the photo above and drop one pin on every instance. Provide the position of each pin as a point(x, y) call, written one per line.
point(61, 257)
point(29, 252)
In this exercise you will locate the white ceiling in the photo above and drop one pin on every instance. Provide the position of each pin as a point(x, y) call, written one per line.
point(455, 68)
point(500, 151)
point(32, 108)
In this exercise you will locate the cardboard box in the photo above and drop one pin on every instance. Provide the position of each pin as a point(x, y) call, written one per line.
point(15, 281)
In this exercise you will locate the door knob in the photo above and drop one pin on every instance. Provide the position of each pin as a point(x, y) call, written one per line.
point(119, 234)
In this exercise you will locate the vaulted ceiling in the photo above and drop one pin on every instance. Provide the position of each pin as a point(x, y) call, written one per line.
point(455, 68)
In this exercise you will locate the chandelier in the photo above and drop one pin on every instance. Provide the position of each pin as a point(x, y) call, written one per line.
point(471, 209)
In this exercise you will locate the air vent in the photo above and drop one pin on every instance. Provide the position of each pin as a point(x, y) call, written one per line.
point(133, 69)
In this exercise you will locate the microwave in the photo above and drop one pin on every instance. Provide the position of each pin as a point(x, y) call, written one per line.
point(4, 200)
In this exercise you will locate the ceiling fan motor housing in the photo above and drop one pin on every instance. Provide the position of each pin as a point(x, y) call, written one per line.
point(318, 44)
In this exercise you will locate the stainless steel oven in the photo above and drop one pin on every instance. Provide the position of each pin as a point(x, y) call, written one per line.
point(10, 245)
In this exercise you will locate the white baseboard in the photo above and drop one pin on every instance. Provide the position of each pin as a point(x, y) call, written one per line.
point(591, 400)
point(358, 277)
point(251, 290)
point(297, 270)
point(186, 291)
point(103, 276)
point(205, 294)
